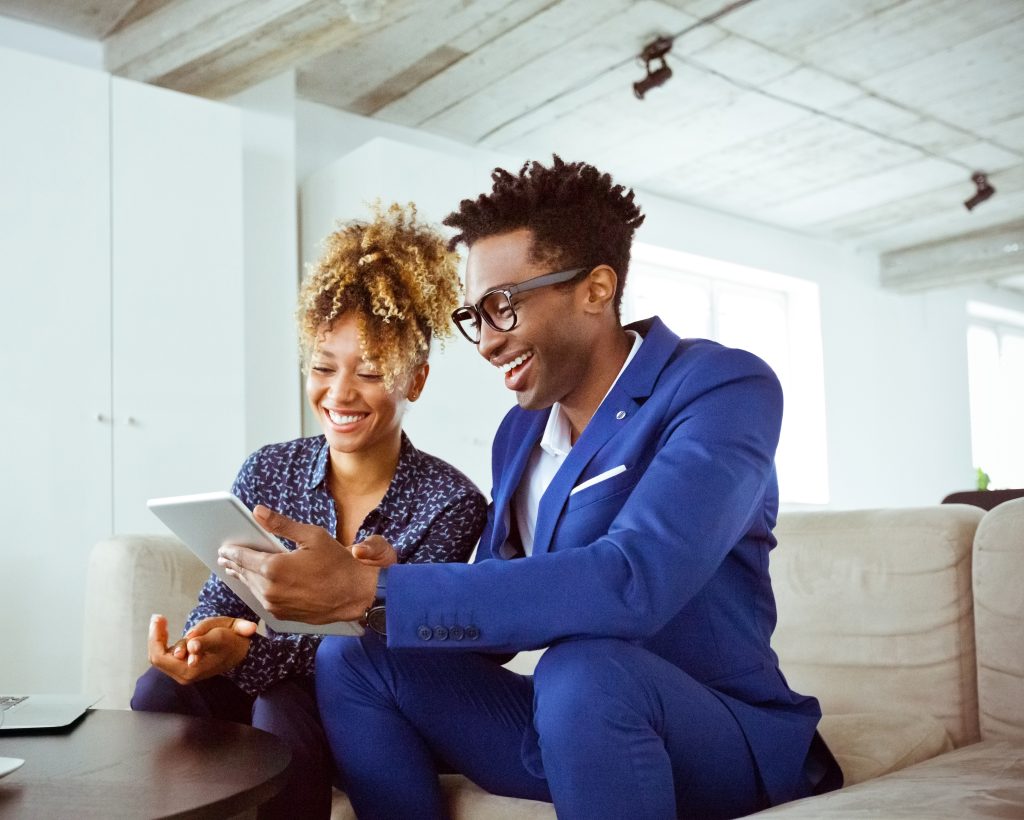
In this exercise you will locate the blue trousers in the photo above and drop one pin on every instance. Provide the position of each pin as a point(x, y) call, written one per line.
point(603, 729)
point(287, 710)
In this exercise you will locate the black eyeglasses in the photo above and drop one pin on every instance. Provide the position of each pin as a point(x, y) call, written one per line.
point(496, 308)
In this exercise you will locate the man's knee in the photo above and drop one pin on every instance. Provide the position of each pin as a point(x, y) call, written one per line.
point(579, 683)
point(336, 659)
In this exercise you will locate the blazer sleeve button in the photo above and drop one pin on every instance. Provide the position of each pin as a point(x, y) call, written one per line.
point(425, 633)
point(456, 633)
point(472, 632)
point(441, 633)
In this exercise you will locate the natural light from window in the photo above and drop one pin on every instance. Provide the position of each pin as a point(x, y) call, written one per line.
point(774, 316)
point(995, 366)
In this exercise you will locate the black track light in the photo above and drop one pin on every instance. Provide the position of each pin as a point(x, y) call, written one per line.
point(984, 190)
point(655, 50)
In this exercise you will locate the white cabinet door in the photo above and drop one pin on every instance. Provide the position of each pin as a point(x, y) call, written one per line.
point(55, 471)
point(178, 299)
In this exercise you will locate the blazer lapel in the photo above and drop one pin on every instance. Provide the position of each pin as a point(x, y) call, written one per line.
point(613, 416)
point(529, 434)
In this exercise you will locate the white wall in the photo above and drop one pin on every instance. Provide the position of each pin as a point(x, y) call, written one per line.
point(895, 365)
point(270, 228)
point(46, 42)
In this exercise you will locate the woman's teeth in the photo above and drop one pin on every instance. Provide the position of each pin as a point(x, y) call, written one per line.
point(518, 360)
point(338, 418)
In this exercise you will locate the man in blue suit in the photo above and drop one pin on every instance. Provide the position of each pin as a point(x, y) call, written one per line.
point(634, 500)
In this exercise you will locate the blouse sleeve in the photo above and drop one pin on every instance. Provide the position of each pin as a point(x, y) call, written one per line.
point(453, 532)
point(270, 659)
point(215, 598)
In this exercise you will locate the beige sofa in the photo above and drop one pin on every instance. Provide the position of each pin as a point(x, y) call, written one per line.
point(908, 624)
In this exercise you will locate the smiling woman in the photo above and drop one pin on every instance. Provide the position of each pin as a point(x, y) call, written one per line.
point(366, 315)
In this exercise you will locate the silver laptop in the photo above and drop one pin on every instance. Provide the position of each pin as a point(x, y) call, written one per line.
point(41, 711)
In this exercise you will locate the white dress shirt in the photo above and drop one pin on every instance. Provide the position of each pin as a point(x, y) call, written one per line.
point(547, 457)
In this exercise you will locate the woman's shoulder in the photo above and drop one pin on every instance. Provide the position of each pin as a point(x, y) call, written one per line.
point(308, 447)
point(434, 471)
point(285, 458)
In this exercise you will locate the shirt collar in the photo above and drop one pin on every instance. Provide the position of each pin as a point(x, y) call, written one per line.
point(557, 438)
point(391, 505)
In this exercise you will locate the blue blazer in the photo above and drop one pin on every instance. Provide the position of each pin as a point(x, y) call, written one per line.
point(670, 553)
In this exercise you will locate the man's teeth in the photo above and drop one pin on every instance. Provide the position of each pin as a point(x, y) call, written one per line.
point(518, 360)
point(338, 418)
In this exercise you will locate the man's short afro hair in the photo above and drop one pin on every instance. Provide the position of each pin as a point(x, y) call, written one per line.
point(578, 216)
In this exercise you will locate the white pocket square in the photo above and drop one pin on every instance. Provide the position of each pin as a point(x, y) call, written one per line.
point(590, 482)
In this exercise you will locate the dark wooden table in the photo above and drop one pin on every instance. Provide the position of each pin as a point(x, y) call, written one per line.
point(117, 764)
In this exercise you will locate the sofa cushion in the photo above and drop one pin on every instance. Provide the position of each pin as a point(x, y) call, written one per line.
point(981, 780)
point(875, 611)
point(876, 743)
point(467, 801)
point(999, 621)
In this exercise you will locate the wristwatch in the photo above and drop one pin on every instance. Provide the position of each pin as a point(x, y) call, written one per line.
point(375, 617)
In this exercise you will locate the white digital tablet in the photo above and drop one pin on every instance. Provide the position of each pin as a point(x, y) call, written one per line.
point(207, 521)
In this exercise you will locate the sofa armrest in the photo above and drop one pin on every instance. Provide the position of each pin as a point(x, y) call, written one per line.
point(999, 621)
point(129, 578)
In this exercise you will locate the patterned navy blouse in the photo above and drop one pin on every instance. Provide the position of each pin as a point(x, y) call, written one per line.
point(430, 512)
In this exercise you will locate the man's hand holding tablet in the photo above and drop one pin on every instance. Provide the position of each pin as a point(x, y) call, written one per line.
point(320, 582)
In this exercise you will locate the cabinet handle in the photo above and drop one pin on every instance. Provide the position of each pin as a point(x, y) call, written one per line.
point(102, 418)
point(131, 421)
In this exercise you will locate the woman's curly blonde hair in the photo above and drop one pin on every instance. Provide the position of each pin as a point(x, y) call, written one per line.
point(398, 277)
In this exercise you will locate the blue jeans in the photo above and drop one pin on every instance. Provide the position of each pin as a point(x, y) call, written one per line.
point(286, 710)
point(604, 729)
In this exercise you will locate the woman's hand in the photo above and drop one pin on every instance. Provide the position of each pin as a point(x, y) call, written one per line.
point(211, 647)
point(375, 551)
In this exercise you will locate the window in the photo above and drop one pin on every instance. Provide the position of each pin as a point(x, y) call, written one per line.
point(995, 366)
point(773, 316)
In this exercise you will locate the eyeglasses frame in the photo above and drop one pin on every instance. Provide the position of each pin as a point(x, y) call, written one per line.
point(542, 281)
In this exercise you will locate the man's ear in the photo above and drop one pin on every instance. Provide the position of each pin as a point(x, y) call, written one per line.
point(599, 289)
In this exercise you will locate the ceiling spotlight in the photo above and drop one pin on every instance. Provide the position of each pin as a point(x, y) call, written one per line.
point(984, 191)
point(655, 50)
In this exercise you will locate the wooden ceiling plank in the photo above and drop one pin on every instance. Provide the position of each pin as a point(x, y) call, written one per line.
point(810, 87)
point(185, 30)
point(538, 36)
point(574, 63)
point(786, 26)
point(934, 137)
point(905, 33)
point(348, 75)
point(91, 20)
point(400, 84)
point(276, 46)
point(1007, 132)
point(609, 100)
point(280, 45)
point(976, 256)
point(984, 156)
point(883, 227)
point(135, 11)
point(974, 81)
point(874, 190)
point(494, 25)
point(744, 60)
point(695, 139)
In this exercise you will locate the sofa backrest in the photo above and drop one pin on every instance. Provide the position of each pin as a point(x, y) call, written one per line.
point(875, 611)
point(129, 578)
point(999, 621)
